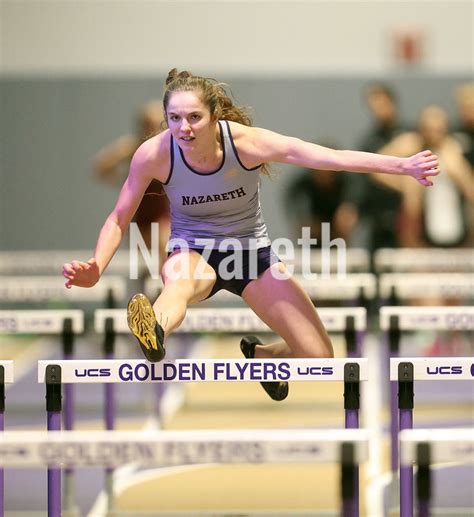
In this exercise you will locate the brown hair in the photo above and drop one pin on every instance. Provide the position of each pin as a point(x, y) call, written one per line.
point(213, 94)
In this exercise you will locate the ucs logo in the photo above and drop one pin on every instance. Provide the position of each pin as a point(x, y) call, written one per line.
point(445, 370)
point(472, 370)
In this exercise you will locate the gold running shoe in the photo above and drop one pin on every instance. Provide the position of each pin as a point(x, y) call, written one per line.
point(142, 322)
point(278, 390)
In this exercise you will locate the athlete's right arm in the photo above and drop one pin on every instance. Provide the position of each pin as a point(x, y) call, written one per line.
point(143, 169)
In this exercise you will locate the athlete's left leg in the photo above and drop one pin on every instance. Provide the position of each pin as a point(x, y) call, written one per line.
point(284, 306)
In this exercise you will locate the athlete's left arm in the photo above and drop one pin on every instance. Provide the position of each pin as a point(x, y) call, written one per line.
point(267, 146)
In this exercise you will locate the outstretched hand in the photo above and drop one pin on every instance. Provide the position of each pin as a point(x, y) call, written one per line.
point(423, 165)
point(81, 274)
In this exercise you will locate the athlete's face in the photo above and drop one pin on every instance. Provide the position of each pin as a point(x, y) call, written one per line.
point(189, 119)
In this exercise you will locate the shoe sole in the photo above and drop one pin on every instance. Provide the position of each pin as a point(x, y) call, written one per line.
point(142, 323)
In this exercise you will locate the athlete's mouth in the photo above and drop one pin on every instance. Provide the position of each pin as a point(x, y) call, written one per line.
point(187, 138)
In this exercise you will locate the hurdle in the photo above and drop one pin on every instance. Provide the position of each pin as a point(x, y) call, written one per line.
point(47, 262)
point(423, 260)
point(110, 322)
point(66, 323)
point(351, 371)
point(395, 320)
point(428, 446)
point(410, 286)
point(39, 289)
point(235, 320)
point(405, 371)
point(6, 377)
point(112, 449)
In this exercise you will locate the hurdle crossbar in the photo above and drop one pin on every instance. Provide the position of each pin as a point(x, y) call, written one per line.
point(428, 318)
point(432, 259)
point(347, 287)
point(416, 285)
point(50, 262)
point(435, 368)
point(447, 445)
point(40, 321)
point(47, 288)
point(354, 259)
point(203, 370)
point(242, 320)
point(115, 448)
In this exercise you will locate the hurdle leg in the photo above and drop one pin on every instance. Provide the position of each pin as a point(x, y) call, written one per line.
point(350, 501)
point(394, 336)
point(69, 487)
point(109, 410)
point(423, 480)
point(351, 337)
point(349, 469)
point(405, 404)
point(406, 472)
point(2, 481)
point(360, 338)
point(2, 427)
point(53, 408)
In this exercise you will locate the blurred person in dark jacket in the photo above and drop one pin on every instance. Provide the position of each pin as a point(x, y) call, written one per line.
point(377, 206)
point(316, 197)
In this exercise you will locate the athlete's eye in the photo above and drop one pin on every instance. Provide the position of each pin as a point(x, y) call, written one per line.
point(195, 117)
point(174, 118)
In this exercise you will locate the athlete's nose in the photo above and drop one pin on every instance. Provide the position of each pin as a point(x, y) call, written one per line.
point(185, 125)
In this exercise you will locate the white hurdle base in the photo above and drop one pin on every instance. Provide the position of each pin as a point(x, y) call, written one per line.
point(168, 448)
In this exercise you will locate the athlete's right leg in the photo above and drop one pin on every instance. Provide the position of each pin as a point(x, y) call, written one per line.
point(187, 279)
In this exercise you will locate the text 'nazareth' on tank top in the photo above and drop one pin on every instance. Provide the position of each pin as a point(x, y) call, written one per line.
point(216, 205)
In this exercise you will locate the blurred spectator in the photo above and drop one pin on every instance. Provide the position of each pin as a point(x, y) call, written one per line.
point(464, 131)
point(111, 166)
point(313, 198)
point(377, 206)
point(436, 216)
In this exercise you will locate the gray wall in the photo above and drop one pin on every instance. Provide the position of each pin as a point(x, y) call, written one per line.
point(292, 37)
point(51, 128)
